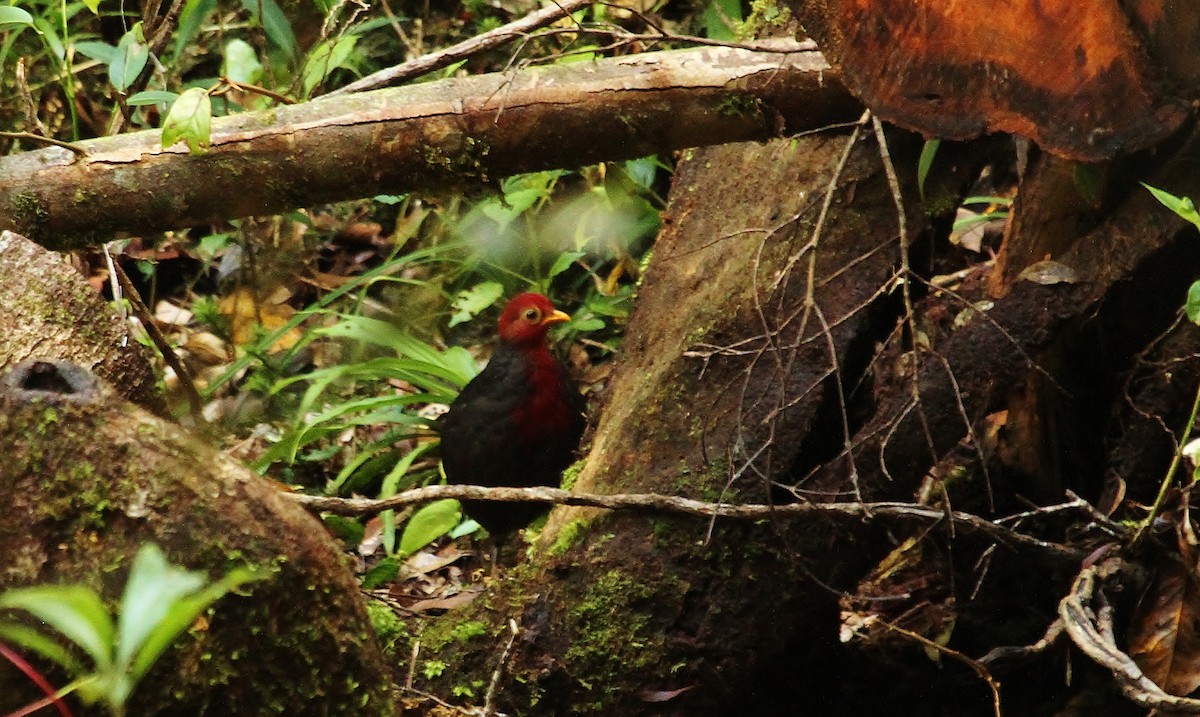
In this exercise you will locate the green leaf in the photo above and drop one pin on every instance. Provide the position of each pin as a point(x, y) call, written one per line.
point(470, 302)
point(1192, 307)
point(563, 262)
point(928, 152)
point(1089, 179)
point(391, 484)
point(241, 63)
point(430, 523)
point(349, 530)
point(151, 97)
point(30, 639)
point(183, 613)
point(154, 586)
point(14, 18)
point(96, 50)
point(643, 171)
point(73, 610)
point(93, 5)
point(191, 19)
point(722, 18)
point(384, 572)
point(1180, 205)
point(275, 23)
point(190, 120)
point(327, 57)
point(590, 324)
point(129, 60)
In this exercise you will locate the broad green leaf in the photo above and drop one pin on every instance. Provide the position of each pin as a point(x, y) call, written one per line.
point(1180, 205)
point(383, 573)
point(391, 483)
point(275, 23)
point(563, 262)
point(14, 18)
point(73, 610)
point(30, 639)
point(151, 97)
point(189, 120)
point(928, 152)
point(50, 37)
point(93, 5)
point(154, 586)
point(182, 613)
point(722, 19)
point(327, 57)
point(430, 523)
point(1192, 307)
point(129, 60)
point(470, 302)
point(96, 50)
point(586, 325)
point(241, 63)
point(643, 171)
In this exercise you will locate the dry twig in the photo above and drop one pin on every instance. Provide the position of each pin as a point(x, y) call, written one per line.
point(689, 506)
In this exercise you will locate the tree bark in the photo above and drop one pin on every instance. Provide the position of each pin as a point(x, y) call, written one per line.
point(425, 137)
point(49, 312)
point(1085, 81)
point(734, 352)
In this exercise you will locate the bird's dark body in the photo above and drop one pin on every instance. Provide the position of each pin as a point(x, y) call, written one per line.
point(516, 424)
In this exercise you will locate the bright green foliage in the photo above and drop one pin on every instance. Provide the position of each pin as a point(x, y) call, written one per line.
point(925, 162)
point(429, 523)
point(722, 18)
point(327, 57)
point(160, 602)
point(1184, 207)
point(189, 120)
point(129, 60)
point(14, 18)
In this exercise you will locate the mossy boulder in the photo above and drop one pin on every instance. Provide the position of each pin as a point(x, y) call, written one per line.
point(88, 477)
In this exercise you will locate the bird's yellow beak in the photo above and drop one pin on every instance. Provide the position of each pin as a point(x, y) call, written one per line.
point(557, 317)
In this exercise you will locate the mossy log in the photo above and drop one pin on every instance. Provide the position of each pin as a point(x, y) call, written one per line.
point(87, 478)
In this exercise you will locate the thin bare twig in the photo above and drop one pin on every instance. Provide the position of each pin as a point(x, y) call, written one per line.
point(489, 700)
point(976, 666)
point(686, 506)
point(454, 53)
point(160, 342)
point(30, 136)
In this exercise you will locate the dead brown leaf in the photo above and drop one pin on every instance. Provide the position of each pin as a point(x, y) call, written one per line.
point(1164, 640)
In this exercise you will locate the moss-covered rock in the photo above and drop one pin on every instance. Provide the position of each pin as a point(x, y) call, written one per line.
point(88, 478)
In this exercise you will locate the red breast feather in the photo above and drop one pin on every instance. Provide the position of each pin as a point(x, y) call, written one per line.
point(518, 423)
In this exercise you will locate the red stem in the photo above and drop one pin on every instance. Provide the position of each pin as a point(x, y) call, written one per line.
point(38, 679)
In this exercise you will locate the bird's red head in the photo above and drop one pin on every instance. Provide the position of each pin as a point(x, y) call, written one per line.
point(526, 319)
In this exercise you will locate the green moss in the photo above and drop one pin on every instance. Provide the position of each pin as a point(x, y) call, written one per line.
point(571, 474)
point(765, 14)
point(29, 214)
point(614, 634)
point(466, 630)
point(737, 104)
point(569, 536)
point(392, 632)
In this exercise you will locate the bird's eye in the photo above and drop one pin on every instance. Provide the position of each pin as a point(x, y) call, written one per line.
point(532, 315)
